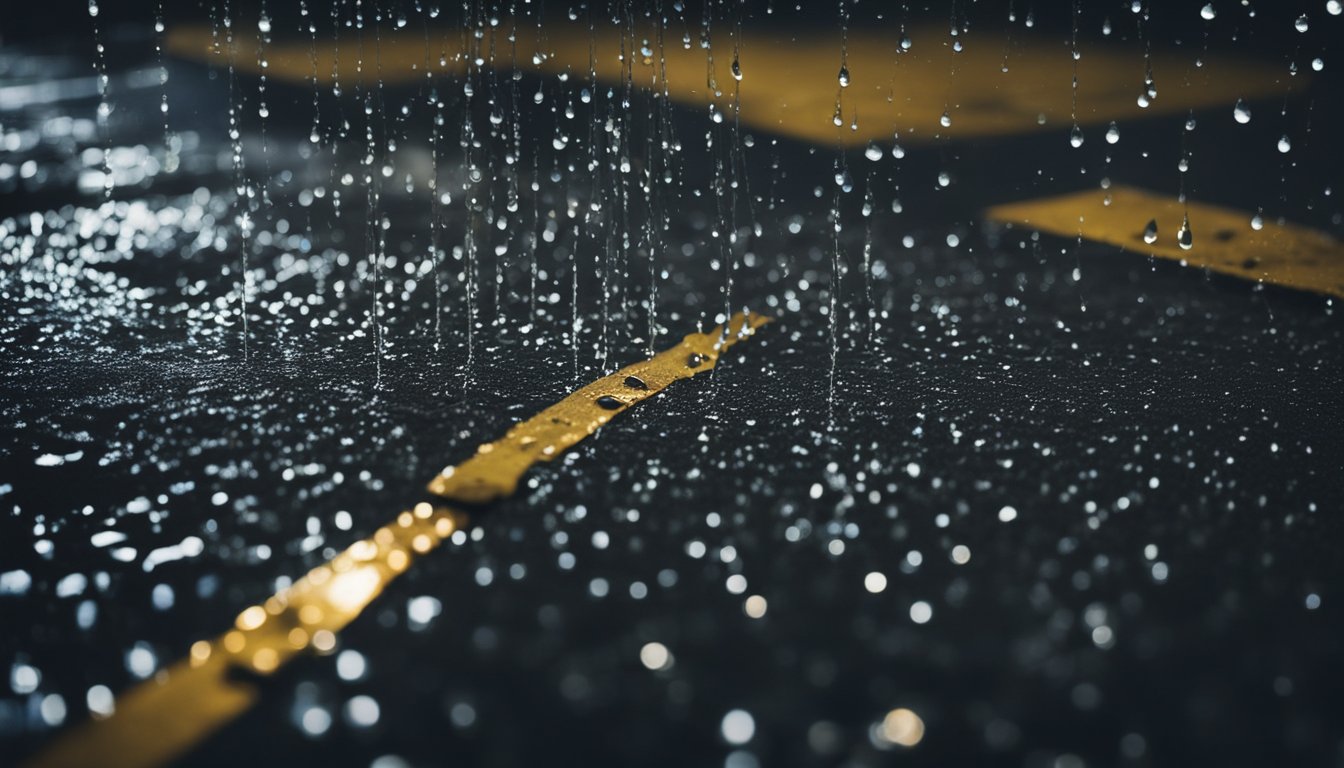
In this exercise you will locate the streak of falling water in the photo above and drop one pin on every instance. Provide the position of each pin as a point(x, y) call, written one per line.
point(869, 206)
point(308, 23)
point(104, 106)
point(833, 307)
point(471, 25)
point(263, 111)
point(734, 145)
point(842, 78)
point(1075, 133)
point(621, 165)
point(435, 235)
point(953, 32)
point(660, 159)
point(315, 136)
point(1149, 92)
point(1183, 235)
point(575, 320)
point(383, 171)
point(340, 123)
point(536, 189)
point(740, 145)
point(170, 159)
point(1008, 36)
point(373, 231)
point(592, 211)
point(436, 202)
point(241, 186)
point(516, 130)
point(499, 137)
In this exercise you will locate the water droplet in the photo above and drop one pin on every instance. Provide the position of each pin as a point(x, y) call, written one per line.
point(610, 403)
point(1257, 222)
point(1301, 24)
point(1335, 7)
point(1112, 134)
point(1285, 144)
point(694, 360)
point(873, 152)
point(634, 382)
point(1207, 12)
point(1150, 232)
point(1241, 112)
point(844, 76)
point(737, 69)
point(1183, 235)
point(1076, 137)
point(945, 120)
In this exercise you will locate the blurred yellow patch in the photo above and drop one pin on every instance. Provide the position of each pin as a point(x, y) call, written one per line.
point(1221, 239)
point(790, 79)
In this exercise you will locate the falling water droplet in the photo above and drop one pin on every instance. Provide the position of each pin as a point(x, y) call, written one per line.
point(945, 120)
point(1112, 134)
point(737, 69)
point(1207, 12)
point(844, 76)
point(873, 152)
point(1285, 144)
point(1183, 235)
point(1301, 24)
point(1150, 232)
point(1334, 7)
point(1241, 112)
point(1257, 221)
point(1076, 137)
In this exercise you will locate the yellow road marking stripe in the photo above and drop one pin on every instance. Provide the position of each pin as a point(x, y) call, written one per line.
point(161, 719)
point(1222, 239)
point(495, 469)
point(790, 82)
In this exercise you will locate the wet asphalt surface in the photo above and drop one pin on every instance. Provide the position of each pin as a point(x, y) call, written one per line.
point(1105, 504)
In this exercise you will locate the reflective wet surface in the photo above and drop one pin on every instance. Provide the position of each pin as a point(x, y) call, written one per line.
point(977, 495)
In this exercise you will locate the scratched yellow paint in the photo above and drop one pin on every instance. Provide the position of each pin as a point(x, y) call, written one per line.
point(790, 78)
point(496, 468)
point(1223, 239)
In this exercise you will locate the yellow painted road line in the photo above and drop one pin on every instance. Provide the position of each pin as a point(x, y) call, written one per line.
point(163, 718)
point(790, 82)
point(1221, 239)
point(160, 719)
point(495, 469)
